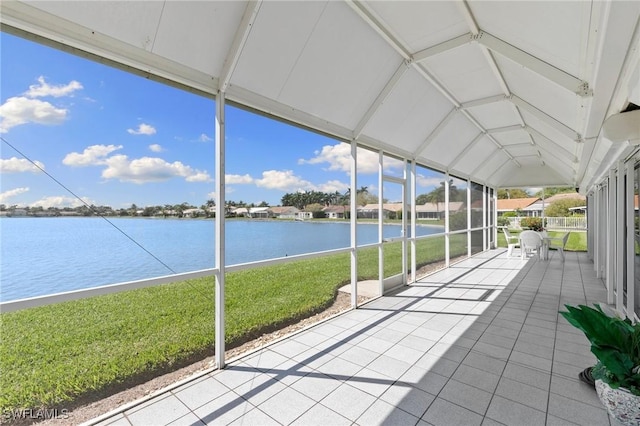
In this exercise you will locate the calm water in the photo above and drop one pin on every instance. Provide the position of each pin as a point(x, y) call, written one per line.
point(41, 256)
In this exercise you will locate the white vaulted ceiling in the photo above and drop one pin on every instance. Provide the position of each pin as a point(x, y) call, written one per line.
point(505, 93)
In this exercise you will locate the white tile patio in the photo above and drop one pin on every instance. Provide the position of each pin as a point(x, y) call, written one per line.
point(480, 344)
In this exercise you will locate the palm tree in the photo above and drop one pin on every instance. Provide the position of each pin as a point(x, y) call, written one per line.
point(437, 195)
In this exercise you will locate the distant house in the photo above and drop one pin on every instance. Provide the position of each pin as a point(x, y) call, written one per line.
point(240, 212)
point(260, 212)
point(17, 213)
point(190, 213)
point(521, 206)
point(304, 215)
point(335, 212)
point(435, 211)
point(286, 212)
point(370, 211)
point(67, 213)
point(567, 196)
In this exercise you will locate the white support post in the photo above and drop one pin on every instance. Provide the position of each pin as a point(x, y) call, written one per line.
point(413, 220)
point(468, 217)
point(494, 207)
point(485, 224)
point(620, 236)
point(405, 281)
point(543, 206)
point(353, 220)
point(611, 240)
point(380, 224)
point(630, 241)
point(220, 228)
point(447, 261)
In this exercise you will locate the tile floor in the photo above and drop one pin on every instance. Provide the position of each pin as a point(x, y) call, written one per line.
point(480, 343)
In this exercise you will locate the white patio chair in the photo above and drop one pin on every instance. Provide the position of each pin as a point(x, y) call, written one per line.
point(559, 244)
point(512, 241)
point(530, 241)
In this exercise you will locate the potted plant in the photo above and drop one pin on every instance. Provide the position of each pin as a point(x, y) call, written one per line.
point(615, 341)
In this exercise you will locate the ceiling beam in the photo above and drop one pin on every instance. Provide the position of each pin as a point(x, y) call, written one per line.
point(544, 142)
point(374, 22)
point(487, 164)
point(484, 101)
point(239, 41)
point(393, 81)
point(551, 156)
point(466, 149)
point(442, 47)
point(505, 129)
point(260, 104)
point(548, 71)
point(435, 132)
point(23, 20)
point(560, 168)
point(378, 25)
point(562, 128)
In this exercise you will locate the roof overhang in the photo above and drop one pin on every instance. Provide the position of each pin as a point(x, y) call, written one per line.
point(509, 94)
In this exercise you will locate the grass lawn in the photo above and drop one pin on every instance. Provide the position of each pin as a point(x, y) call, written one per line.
point(577, 239)
point(52, 355)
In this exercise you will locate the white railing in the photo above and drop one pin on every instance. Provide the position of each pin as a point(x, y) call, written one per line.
point(567, 222)
point(571, 222)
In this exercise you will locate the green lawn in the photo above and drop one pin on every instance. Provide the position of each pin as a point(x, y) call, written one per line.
point(52, 355)
point(577, 239)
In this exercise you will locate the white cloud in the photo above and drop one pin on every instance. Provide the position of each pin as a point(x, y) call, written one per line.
point(339, 159)
point(204, 138)
point(156, 148)
point(338, 156)
point(283, 180)
point(332, 186)
point(61, 201)
point(20, 110)
point(198, 176)
point(212, 195)
point(4, 196)
point(149, 169)
point(143, 129)
point(44, 89)
point(238, 179)
point(423, 181)
point(19, 165)
point(91, 156)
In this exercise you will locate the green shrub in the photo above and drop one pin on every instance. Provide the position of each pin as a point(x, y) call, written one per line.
point(458, 221)
point(503, 221)
point(533, 223)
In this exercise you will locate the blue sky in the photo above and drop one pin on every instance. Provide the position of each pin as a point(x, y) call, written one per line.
point(115, 139)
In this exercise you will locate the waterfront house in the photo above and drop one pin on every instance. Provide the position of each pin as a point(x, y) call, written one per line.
point(284, 212)
point(191, 213)
point(436, 211)
point(304, 215)
point(260, 212)
point(335, 212)
point(370, 211)
point(239, 212)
